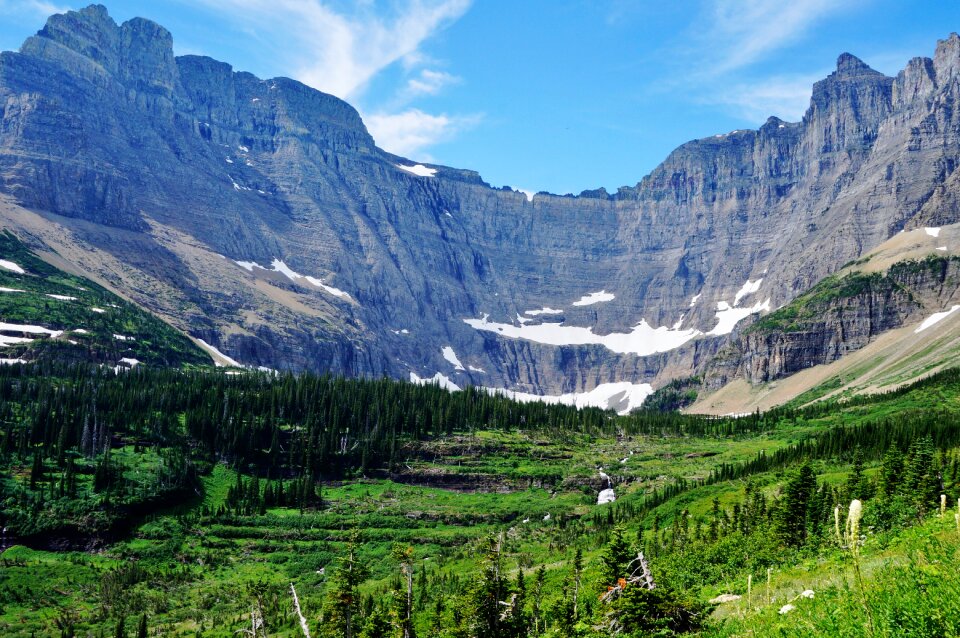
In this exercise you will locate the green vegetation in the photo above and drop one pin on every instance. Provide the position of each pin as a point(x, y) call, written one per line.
point(391, 509)
point(674, 396)
point(94, 324)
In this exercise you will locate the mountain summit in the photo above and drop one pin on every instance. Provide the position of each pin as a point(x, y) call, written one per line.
point(260, 216)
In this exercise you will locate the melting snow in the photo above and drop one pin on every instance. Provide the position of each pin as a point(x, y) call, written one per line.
point(941, 247)
point(543, 311)
point(600, 397)
point(642, 340)
point(480, 370)
point(438, 379)
point(594, 297)
point(933, 232)
point(403, 331)
point(728, 317)
point(218, 356)
point(230, 161)
point(278, 266)
point(123, 338)
point(37, 330)
point(62, 297)
point(9, 265)
point(419, 170)
point(747, 289)
point(451, 356)
point(2, 289)
point(98, 310)
point(936, 318)
point(80, 331)
point(695, 298)
point(129, 361)
point(10, 362)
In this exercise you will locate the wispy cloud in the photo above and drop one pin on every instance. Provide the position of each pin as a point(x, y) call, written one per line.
point(339, 52)
point(739, 33)
point(412, 132)
point(786, 97)
point(33, 7)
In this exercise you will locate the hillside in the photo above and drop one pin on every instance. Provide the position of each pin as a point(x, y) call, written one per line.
point(261, 217)
point(48, 315)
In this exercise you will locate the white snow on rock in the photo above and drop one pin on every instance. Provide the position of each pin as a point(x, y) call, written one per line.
point(279, 266)
point(728, 317)
point(419, 170)
point(220, 360)
point(747, 289)
point(604, 396)
point(10, 341)
point(594, 297)
point(543, 311)
point(936, 318)
point(693, 301)
point(451, 357)
point(99, 311)
point(438, 379)
point(62, 297)
point(28, 329)
point(480, 370)
point(2, 289)
point(9, 265)
point(402, 331)
point(941, 247)
point(642, 340)
point(10, 362)
point(933, 232)
point(80, 331)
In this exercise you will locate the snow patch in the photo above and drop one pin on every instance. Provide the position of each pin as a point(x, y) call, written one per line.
point(278, 266)
point(80, 331)
point(936, 318)
point(543, 311)
point(451, 357)
point(123, 338)
point(2, 289)
point(10, 362)
point(529, 194)
point(62, 297)
point(728, 317)
point(219, 359)
point(747, 289)
point(594, 297)
point(642, 340)
point(941, 247)
point(693, 301)
point(129, 361)
point(604, 396)
point(9, 265)
point(438, 379)
point(419, 170)
point(933, 232)
point(480, 370)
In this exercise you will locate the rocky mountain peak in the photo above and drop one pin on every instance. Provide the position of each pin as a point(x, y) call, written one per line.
point(138, 53)
point(849, 65)
point(946, 59)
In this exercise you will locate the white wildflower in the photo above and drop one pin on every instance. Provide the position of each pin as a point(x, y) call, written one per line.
point(807, 593)
point(786, 609)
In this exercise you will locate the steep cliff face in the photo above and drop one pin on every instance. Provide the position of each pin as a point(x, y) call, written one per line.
point(840, 315)
point(261, 216)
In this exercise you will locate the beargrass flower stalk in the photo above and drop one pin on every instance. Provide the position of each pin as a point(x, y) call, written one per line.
point(836, 524)
point(853, 542)
point(749, 591)
point(943, 505)
point(769, 571)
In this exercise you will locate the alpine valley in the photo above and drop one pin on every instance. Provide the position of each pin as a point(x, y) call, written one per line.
point(659, 405)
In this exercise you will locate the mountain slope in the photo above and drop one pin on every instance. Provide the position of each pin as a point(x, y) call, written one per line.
point(260, 216)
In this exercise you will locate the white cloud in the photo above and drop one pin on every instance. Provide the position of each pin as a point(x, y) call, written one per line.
point(412, 131)
point(340, 52)
point(787, 97)
point(34, 7)
point(739, 33)
point(429, 82)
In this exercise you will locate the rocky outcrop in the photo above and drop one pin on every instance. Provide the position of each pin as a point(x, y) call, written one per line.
point(157, 174)
point(839, 315)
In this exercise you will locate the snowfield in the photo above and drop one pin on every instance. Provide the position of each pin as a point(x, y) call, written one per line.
point(595, 297)
point(419, 170)
point(936, 318)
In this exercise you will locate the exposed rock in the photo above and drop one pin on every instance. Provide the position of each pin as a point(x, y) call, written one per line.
point(156, 174)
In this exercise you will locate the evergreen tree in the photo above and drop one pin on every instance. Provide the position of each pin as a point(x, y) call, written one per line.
point(616, 557)
point(792, 518)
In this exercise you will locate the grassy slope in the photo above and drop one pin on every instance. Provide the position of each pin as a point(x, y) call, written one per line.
point(197, 573)
point(149, 340)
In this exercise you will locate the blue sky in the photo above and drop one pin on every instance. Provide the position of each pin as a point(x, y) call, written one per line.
point(557, 95)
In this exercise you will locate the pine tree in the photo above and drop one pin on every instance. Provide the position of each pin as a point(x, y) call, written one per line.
point(791, 520)
point(616, 557)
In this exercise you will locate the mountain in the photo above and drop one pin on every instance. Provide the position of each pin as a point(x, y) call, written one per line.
point(261, 217)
